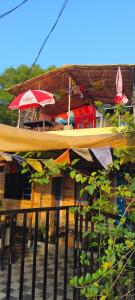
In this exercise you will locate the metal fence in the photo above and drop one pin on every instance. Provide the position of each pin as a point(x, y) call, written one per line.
point(23, 232)
point(40, 252)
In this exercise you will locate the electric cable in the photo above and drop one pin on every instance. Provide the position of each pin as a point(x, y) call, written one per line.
point(55, 23)
point(44, 43)
point(13, 9)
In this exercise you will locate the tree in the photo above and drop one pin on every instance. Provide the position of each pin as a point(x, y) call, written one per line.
point(10, 77)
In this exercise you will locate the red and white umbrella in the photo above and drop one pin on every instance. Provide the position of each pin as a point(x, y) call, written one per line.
point(120, 96)
point(31, 98)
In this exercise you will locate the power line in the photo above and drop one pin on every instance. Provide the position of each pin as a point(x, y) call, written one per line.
point(53, 27)
point(44, 43)
point(11, 10)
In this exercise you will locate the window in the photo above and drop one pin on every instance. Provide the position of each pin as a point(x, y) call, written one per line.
point(17, 186)
point(85, 197)
point(1, 169)
point(57, 188)
point(26, 191)
point(57, 192)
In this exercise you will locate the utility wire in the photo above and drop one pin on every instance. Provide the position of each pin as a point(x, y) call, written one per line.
point(11, 10)
point(44, 43)
point(47, 37)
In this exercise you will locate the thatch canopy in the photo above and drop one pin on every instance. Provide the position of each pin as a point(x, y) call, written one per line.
point(99, 80)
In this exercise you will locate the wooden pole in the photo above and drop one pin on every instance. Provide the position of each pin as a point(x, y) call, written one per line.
point(19, 118)
point(31, 216)
point(69, 99)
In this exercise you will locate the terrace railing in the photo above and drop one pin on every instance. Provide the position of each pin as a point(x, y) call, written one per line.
point(44, 269)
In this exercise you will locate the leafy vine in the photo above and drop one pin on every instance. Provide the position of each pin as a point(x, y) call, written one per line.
point(110, 236)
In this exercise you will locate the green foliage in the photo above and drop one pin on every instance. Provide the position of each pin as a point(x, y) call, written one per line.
point(113, 241)
point(48, 168)
point(84, 259)
point(100, 107)
point(74, 161)
point(73, 174)
point(120, 117)
point(9, 78)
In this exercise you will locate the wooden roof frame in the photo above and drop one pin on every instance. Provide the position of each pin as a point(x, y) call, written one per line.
point(58, 80)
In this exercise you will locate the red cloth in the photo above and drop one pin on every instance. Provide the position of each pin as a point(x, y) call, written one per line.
point(85, 116)
point(63, 116)
point(120, 99)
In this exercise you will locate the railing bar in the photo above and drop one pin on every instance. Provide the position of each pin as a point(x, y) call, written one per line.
point(43, 209)
point(39, 209)
point(80, 247)
point(56, 255)
point(22, 257)
point(66, 254)
point(85, 241)
point(80, 241)
point(11, 244)
point(46, 255)
point(34, 256)
point(75, 251)
point(2, 250)
point(92, 254)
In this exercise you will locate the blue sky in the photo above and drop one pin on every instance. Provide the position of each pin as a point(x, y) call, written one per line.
point(88, 32)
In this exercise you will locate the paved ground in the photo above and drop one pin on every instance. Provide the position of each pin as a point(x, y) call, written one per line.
point(39, 275)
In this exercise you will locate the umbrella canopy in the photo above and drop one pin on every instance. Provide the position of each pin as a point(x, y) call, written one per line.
point(120, 97)
point(31, 98)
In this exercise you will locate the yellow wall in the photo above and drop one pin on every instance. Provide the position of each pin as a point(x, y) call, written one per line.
point(42, 195)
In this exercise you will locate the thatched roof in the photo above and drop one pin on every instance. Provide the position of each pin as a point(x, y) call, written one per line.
point(101, 77)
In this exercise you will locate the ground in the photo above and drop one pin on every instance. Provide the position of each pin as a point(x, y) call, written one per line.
point(39, 274)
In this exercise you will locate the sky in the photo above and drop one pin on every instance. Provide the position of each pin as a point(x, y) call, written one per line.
point(88, 32)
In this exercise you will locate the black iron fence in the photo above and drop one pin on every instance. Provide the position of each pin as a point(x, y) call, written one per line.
point(40, 252)
point(39, 241)
point(92, 246)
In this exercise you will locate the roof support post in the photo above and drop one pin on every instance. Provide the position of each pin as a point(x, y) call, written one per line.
point(19, 119)
point(69, 99)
